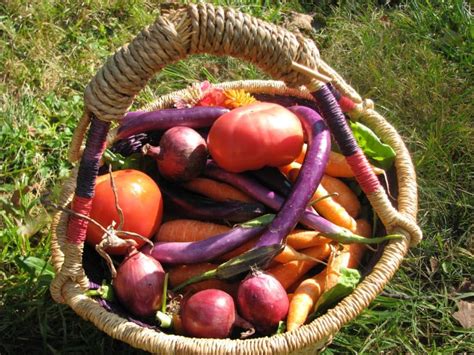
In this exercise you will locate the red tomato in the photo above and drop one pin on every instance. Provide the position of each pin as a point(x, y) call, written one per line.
point(140, 200)
point(253, 136)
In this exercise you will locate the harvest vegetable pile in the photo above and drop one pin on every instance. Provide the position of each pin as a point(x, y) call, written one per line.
point(230, 216)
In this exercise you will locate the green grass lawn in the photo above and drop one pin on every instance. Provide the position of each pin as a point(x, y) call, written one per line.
point(413, 58)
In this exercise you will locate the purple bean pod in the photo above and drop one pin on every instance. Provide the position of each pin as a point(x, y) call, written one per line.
point(309, 177)
point(203, 250)
point(194, 117)
point(273, 178)
point(194, 206)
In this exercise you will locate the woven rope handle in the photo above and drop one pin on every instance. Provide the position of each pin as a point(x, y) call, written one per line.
point(195, 29)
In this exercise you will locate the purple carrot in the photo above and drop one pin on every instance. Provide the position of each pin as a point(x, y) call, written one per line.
point(203, 250)
point(195, 117)
point(309, 177)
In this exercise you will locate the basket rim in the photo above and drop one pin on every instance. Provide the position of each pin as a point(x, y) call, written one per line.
point(311, 335)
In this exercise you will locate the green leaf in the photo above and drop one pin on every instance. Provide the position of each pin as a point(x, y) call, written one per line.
point(281, 327)
point(36, 266)
point(381, 154)
point(258, 222)
point(347, 283)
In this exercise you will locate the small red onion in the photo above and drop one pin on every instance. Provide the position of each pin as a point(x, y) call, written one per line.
point(208, 314)
point(182, 154)
point(262, 301)
point(139, 283)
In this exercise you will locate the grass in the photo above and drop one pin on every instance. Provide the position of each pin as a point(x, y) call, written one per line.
point(413, 58)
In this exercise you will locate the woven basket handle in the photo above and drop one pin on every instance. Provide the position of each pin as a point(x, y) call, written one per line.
point(194, 29)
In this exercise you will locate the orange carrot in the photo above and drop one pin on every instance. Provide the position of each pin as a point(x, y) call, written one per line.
point(337, 165)
point(328, 207)
point(345, 196)
point(218, 191)
point(301, 239)
point(291, 170)
point(290, 272)
point(289, 254)
point(188, 230)
point(181, 273)
point(309, 291)
point(304, 298)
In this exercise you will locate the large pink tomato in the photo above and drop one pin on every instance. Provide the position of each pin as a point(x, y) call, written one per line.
point(140, 200)
point(254, 136)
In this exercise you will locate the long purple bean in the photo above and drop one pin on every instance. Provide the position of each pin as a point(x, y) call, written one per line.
point(195, 117)
point(201, 208)
point(274, 179)
point(309, 177)
point(203, 250)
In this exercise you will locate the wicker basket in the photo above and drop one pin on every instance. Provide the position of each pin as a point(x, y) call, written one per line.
point(285, 56)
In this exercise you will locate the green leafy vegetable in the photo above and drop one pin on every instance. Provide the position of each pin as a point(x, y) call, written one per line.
point(380, 153)
point(348, 281)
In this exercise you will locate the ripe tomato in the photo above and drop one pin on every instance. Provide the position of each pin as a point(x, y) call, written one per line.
point(253, 136)
point(140, 200)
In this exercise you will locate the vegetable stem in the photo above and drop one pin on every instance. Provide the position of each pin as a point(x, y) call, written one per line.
point(240, 264)
point(211, 274)
point(164, 298)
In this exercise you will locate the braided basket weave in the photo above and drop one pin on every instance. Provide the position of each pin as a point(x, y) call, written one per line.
point(285, 56)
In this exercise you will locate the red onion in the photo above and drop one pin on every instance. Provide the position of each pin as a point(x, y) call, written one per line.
point(208, 314)
point(182, 154)
point(262, 301)
point(139, 283)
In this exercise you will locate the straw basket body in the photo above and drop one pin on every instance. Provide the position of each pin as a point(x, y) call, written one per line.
point(292, 60)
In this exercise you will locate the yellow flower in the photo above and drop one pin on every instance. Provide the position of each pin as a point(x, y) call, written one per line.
point(237, 98)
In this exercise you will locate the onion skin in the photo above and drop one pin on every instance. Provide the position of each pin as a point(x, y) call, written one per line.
point(182, 154)
point(262, 301)
point(208, 314)
point(139, 283)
